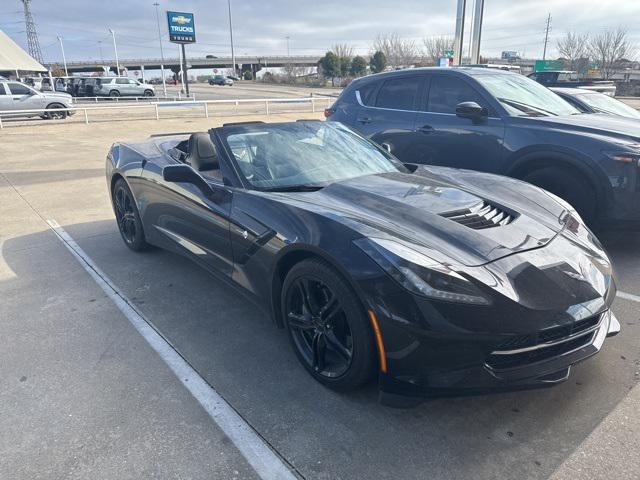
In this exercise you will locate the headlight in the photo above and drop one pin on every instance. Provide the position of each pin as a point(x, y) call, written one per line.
point(420, 274)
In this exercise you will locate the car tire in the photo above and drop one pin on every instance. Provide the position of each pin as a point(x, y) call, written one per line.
point(568, 185)
point(149, 93)
point(339, 337)
point(128, 217)
point(52, 114)
point(114, 93)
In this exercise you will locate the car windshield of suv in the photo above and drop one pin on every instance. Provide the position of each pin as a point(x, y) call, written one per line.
point(304, 156)
point(606, 104)
point(522, 96)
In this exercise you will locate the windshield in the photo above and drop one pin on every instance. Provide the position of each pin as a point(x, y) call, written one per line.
point(304, 155)
point(605, 104)
point(522, 96)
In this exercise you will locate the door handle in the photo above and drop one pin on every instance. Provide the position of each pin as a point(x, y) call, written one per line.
point(425, 129)
point(364, 119)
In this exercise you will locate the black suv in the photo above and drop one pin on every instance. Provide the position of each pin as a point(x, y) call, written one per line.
point(501, 122)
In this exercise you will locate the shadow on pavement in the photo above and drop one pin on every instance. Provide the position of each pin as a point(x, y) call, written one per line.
point(235, 347)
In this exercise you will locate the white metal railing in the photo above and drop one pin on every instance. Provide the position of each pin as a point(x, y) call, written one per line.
point(314, 102)
point(107, 98)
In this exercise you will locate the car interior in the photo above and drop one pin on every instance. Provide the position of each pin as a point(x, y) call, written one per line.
point(199, 152)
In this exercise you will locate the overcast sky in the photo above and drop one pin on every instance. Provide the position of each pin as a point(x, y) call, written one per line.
point(260, 26)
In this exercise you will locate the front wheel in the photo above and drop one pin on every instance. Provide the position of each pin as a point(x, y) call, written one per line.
point(54, 112)
point(327, 326)
point(128, 217)
point(148, 93)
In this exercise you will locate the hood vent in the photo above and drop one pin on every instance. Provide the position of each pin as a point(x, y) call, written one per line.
point(480, 216)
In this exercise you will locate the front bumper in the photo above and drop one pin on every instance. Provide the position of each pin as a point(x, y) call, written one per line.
point(549, 364)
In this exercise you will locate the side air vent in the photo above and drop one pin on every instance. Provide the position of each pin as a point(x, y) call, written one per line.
point(480, 216)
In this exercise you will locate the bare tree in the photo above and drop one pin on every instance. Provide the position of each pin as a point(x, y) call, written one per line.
point(435, 47)
point(399, 52)
point(574, 48)
point(609, 47)
point(342, 50)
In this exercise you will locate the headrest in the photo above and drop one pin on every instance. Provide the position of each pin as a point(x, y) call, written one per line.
point(202, 153)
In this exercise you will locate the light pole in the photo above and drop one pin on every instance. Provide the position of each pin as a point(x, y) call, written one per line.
point(233, 56)
point(164, 83)
point(64, 59)
point(115, 49)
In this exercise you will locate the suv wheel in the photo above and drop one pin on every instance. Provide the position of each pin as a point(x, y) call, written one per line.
point(114, 93)
point(54, 112)
point(568, 185)
point(148, 93)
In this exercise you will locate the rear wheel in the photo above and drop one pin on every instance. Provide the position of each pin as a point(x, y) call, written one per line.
point(568, 185)
point(114, 93)
point(128, 218)
point(327, 326)
point(54, 111)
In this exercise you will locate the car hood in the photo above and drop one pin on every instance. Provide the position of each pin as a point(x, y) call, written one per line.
point(58, 95)
point(413, 208)
point(599, 124)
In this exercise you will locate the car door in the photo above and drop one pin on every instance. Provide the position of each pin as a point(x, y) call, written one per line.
point(443, 138)
point(180, 217)
point(135, 88)
point(387, 111)
point(122, 85)
point(24, 98)
point(6, 102)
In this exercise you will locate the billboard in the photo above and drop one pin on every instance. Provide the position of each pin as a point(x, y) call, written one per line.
point(182, 27)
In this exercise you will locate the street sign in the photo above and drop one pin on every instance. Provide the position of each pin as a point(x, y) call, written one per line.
point(548, 65)
point(448, 53)
point(182, 27)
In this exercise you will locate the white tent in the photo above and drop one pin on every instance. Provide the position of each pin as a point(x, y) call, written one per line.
point(13, 58)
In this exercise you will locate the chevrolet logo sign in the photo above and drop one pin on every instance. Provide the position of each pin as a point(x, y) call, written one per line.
point(181, 20)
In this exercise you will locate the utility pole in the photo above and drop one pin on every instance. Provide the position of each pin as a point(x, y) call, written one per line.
point(64, 59)
point(477, 31)
point(115, 49)
point(459, 37)
point(33, 43)
point(233, 56)
point(546, 37)
point(164, 83)
point(100, 48)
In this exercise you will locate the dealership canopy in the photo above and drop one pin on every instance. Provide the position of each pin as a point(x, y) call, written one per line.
point(13, 58)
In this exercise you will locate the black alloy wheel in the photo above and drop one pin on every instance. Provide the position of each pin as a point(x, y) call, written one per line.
point(127, 216)
point(327, 326)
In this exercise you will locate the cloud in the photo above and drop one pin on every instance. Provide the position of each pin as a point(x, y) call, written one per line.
point(260, 27)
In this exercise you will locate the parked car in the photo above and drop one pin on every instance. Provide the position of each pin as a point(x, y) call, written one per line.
point(121, 86)
point(18, 96)
point(220, 80)
point(429, 279)
point(588, 101)
point(501, 122)
point(569, 79)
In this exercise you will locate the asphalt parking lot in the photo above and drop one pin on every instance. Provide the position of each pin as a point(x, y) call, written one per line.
point(84, 396)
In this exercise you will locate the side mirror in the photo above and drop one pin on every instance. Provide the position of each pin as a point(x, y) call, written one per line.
point(386, 146)
point(471, 110)
point(186, 174)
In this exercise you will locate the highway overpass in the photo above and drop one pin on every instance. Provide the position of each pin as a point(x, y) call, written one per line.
point(209, 62)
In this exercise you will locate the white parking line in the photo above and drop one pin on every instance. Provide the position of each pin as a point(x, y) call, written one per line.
point(628, 296)
point(266, 463)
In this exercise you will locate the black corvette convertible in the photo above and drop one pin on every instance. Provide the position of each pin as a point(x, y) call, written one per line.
point(434, 280)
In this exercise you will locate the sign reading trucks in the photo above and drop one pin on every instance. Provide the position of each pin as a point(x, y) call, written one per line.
point(182, 27)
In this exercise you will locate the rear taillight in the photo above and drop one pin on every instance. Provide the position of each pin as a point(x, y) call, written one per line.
point(328, 112)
